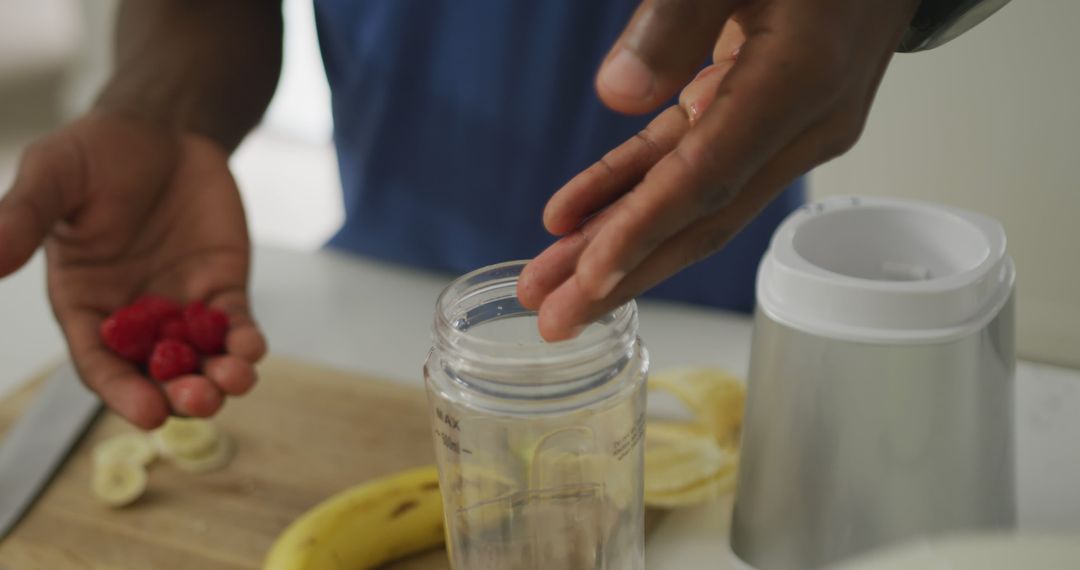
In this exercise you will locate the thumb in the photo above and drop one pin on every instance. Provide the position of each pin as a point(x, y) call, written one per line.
point(48, 186)
point(665, 43)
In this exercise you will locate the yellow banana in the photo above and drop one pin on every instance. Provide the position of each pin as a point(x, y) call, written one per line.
point(365, 526)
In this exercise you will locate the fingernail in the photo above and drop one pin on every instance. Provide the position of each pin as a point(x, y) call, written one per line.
point(627, 76)
point(692, 113)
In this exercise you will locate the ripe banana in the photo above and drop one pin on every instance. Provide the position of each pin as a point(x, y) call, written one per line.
point(365, 526)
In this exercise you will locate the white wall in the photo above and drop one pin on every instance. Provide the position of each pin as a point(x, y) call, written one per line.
point(990, 122)
point(36, 37)
point(287, 169)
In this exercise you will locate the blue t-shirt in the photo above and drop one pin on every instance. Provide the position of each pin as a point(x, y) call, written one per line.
point(455, 121)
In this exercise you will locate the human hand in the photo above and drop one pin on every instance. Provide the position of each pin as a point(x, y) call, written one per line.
point(790, 87)
point(124, 209)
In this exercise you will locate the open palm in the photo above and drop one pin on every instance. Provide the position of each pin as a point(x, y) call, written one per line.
point(125, 209)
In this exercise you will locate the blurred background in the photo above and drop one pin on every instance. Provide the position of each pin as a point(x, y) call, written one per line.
point(989, 122)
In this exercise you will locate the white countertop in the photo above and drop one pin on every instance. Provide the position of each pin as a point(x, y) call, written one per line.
point(356, 314)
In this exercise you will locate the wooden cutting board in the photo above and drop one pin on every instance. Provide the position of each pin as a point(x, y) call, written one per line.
point(302, 435)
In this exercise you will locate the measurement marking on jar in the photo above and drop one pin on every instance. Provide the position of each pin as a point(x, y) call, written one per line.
point(447, 419)
point(621, 447)
point(448, 441)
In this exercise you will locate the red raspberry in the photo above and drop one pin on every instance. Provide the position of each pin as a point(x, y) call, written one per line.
point(175, 329)
point(206, 327)
point(130, 332)
point(172, 358)
point(160, 308)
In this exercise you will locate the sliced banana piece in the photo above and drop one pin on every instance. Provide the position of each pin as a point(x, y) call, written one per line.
point(118, 484)
point(678, 457)
point(186, 437)
point(212, 459)
point(125, 448)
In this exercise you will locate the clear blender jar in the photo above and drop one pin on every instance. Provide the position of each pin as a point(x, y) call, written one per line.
point(539, 445)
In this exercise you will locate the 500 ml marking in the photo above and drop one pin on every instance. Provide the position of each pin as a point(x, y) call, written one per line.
point(622, 446)
point(448, 441)
point(446, 424)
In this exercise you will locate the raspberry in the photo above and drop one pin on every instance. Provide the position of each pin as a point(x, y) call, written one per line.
point(130, 332)
point(206, 327)
point(175, 329)
point(172, 358)
point(160, 308)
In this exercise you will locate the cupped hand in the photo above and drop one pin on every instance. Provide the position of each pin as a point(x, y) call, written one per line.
point(125, 208)
point(789, 87)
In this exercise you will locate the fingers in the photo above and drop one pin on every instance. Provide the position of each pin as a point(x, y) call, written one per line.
point(117, 382)
point(47, 187)
point(146, 403)
point(232, 375)
point(604, 182)
point(619, 170)
point(549, 269)
point(245, 340)
point(766, 100)
point(665, 42)
point(674, 217)
point(730, 42)
point(797, 96)
point(568, 306)
point(194, 396)
point(699, 94)
point(565, 309)
point(615, 174)
point(558, 262)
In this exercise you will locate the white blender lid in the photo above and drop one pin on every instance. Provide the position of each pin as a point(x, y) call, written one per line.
point(885, 270)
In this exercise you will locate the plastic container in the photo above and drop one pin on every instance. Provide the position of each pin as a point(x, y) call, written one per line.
point(539, 445)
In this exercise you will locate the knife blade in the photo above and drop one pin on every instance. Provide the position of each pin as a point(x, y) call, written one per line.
point(39, 442)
